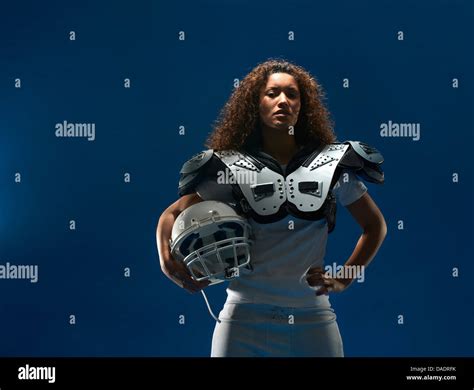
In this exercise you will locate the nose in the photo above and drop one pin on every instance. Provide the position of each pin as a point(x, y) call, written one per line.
point(283, 100)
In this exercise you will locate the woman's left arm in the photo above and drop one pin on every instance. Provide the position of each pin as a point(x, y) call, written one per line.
point(368, 216)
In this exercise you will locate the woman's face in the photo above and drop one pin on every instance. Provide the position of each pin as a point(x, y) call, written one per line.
point(280, 101)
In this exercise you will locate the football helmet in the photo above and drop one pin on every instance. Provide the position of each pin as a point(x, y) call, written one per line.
point(212, 240)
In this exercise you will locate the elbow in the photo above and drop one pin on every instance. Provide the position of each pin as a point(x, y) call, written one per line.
point(160, 222)
point(383, 229)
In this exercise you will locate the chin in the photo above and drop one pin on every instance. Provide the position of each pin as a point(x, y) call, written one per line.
point(281, 126)
point(278, 123)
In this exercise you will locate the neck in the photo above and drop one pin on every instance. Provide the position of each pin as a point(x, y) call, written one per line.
point(279, 144)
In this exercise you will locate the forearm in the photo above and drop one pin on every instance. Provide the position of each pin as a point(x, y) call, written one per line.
point(368, 245)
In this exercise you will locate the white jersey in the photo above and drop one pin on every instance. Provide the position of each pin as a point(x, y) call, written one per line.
point(283, 252)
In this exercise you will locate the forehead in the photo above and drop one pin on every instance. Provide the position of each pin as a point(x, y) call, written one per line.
point(282, 80)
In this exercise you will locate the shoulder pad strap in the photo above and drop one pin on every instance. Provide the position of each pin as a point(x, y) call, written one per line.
point(367, 152)
point(191, 172)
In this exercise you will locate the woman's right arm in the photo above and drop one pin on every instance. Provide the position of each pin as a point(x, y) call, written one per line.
point(175, 270)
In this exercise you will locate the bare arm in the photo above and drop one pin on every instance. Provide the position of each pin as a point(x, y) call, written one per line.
point(372, 222)
point(175, 270)
point(374, 230)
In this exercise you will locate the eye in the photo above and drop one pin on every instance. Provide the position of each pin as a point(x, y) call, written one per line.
point(292, 94)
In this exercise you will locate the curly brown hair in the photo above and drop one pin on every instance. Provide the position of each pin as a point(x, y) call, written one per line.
point(238, 125)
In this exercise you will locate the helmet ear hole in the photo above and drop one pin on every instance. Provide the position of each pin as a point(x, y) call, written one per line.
point(213, 241)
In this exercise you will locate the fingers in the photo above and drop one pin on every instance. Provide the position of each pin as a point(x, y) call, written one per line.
point(179, 274)
point(327, 287)
point(316, 278)
point(322, 291)
point(192, 285)
point(315, 270)
point(184, 280)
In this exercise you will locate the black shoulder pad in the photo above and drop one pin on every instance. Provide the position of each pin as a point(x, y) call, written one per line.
point(197, 161)
point(371, 173)
point(351, 160)
point(367, 152)
point(365, 161)
point(191, 171)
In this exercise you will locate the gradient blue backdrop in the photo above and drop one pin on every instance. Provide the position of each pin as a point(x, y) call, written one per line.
point(185, 83)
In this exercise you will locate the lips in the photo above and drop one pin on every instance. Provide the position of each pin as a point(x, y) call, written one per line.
point(281, 113)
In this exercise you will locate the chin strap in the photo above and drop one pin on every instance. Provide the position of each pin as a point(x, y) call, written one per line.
point(209, 307)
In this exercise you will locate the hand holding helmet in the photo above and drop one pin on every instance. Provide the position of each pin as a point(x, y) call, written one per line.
point(179, 274)
point(211, 241)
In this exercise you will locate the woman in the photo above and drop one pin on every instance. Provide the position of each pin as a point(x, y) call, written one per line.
point(276, 116)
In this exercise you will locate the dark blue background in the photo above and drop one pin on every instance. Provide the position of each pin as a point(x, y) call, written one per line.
point(185, 83)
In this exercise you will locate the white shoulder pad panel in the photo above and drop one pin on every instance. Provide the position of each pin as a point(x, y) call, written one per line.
point(263, 188)
point(308, 186)
point(266, 190)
